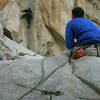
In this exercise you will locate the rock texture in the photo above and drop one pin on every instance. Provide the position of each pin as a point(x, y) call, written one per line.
point(47, 26)
point(78, 82)
point(3, 3)
point(47, 32)
point(10, 19)
point(92, 10)
point(29, 76)
point(49, 23)
point(11, 50)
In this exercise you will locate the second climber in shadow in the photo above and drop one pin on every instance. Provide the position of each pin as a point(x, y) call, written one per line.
point(28, 15)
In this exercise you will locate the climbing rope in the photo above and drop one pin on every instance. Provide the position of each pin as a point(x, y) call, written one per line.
point(42, 80)
point(51, 93)
point(45, 92)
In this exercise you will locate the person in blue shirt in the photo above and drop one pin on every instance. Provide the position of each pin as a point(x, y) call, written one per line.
point(83, 30)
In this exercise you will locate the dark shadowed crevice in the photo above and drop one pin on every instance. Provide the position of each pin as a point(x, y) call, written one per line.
point(94, 4)
point(55, 34)
point(7, 33)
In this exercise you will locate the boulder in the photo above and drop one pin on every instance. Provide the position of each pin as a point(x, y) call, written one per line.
point(10, 20)
point(11, 50)
point(87, 70)
point(53, 74)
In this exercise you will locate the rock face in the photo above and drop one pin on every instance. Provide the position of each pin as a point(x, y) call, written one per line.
point(46, 36)
point(47, 26)
point(80, 82)
point(10, 19)
point(3, 3)
point(92, 10)
point(11, 50)
point(29, 76)
point(50, 18)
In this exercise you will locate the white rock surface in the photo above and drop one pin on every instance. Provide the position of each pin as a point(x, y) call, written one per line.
point(11, 50)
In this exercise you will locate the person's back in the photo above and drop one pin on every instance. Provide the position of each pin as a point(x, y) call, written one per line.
point(84, 30)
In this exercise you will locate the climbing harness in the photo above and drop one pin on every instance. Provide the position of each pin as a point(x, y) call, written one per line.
point(42, 80)
point(95, 44)
point(78, 51)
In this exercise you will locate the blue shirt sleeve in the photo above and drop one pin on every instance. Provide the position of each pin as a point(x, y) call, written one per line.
point(69, 38)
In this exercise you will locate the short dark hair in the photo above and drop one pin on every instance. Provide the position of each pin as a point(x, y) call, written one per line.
point(78, 12)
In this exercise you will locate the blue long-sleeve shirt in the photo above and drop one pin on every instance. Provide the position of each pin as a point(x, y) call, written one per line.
point(84, 30)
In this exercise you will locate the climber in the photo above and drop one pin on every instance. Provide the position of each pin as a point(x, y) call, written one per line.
point(83, 30)
point(28, 15)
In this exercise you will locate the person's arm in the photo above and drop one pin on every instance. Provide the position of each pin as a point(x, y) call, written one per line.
point(69, 39)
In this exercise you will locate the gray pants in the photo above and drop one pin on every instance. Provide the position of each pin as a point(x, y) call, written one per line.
point(91, 51)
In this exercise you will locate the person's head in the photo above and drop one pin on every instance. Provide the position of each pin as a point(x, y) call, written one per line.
point(77, 12)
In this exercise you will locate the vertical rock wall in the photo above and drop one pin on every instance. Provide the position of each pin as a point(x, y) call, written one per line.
point(3, 3)
point(46, 36)
point(93, 10)
point(47, 32)
point(10, 20)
